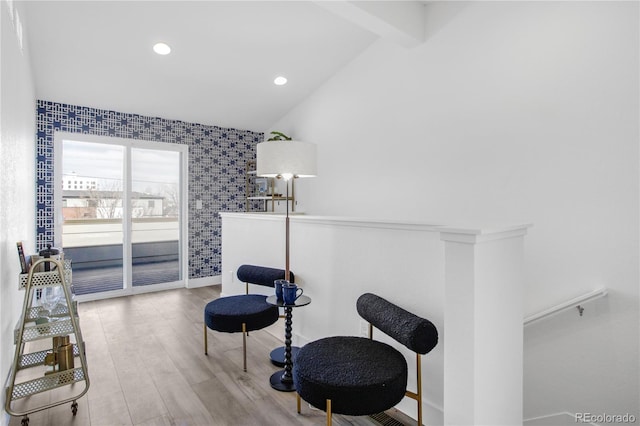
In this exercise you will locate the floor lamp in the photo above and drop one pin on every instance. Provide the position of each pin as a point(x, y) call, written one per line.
point(286, 160)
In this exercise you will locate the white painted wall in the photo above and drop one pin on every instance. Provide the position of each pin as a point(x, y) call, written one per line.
point(510, 112)
point(17, 188)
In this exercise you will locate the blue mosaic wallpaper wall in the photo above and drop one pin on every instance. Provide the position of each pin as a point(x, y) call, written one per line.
point(217, 158)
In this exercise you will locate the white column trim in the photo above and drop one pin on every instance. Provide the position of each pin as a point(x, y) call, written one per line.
point(483, 335)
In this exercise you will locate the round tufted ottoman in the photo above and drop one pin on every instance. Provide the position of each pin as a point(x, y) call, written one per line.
point(227, 314)
point(242, 313)
point(360, 376)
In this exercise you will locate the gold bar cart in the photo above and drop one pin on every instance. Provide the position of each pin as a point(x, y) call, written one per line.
point(39, 366)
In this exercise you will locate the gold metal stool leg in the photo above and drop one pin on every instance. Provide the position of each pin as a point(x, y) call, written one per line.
point(328, 412)
point(298, 402)
point(244, 347)
point(419, 385)
point(205, 339)
point(417, 396)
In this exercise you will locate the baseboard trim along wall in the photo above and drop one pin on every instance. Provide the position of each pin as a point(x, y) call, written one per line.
point(563, 418)
point(204, 281)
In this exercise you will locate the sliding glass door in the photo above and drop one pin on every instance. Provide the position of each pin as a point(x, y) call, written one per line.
point(155, 216)
point(121, 216)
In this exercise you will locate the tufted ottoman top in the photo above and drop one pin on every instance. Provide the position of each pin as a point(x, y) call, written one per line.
point(359, 375)
point(227, 314)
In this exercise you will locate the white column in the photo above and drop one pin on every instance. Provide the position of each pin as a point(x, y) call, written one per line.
point(483, 314)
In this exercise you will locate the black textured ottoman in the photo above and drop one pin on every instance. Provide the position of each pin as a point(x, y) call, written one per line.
point(228, 314)
point(265, 276)
point(361, 376)
point(245, 312)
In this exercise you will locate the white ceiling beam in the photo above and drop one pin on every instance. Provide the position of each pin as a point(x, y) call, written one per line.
point(400, 21)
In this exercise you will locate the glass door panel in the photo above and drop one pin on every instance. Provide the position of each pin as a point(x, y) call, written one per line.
point(155, 216)
point(92, 211)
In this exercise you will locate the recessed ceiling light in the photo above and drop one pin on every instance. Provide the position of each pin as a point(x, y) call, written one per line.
point(161, 48)
point(280, 81)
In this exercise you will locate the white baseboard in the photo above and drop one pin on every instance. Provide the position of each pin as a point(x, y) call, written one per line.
point(204, 282)
point(563, 418)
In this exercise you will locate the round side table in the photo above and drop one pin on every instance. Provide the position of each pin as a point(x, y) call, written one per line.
point(282, 380)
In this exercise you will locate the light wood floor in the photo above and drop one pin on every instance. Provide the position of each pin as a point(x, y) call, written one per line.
point(147, 367)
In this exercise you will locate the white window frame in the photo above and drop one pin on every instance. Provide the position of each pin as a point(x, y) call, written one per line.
point(128, 144)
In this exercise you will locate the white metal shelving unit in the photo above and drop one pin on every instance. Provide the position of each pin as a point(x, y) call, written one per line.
point(270, 195)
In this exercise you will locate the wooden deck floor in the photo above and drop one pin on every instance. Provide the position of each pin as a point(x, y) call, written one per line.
point(147, 367)
point(87, 281)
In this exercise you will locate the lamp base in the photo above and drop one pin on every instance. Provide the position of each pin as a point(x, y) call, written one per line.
point(279, 384)
point(277, 355)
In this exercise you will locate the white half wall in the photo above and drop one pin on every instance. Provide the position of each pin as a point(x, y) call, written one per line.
point(468, 282)
point(335, 261)
point(509, 112)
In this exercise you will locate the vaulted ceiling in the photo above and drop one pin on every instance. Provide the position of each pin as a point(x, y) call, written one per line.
point(225, 54)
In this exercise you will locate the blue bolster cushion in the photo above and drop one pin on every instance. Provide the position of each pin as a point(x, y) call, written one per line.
point(417, 334)
point(262, 275)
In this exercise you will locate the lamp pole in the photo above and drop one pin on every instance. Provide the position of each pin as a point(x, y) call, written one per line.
point(286, 159)
point(287, 274)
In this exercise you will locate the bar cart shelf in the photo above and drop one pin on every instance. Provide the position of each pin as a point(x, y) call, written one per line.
point(47, 342)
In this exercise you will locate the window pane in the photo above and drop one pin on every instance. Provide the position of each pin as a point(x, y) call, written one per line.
point(155, 208)
point(92, 236)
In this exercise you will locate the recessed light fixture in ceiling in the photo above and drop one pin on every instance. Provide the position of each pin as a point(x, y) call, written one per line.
point(161, 48)
point(280, 81)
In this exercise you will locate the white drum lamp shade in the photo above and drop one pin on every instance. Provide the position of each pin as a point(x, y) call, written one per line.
point(286, 159)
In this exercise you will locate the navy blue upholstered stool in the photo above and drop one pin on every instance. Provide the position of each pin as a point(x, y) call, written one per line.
point(359, 376)
point(245, 312)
